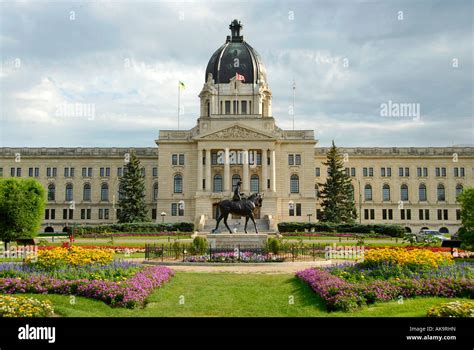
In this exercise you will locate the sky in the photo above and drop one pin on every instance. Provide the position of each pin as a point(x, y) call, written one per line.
point(118, 63)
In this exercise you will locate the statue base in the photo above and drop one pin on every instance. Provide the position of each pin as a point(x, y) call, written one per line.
point(237, 240)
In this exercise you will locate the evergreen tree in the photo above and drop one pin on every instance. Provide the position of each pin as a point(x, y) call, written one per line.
point(132, 193)
point(336, 193)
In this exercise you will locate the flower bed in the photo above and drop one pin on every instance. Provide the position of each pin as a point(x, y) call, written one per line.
point(21, 306)
point(118, 249)
point(231, 257)
point(118, 270)
point(414, 258)
point(453, 309)
point(58, 257)
point(342, 295)
point(129, 293)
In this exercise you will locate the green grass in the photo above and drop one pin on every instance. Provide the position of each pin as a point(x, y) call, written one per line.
point(238, 295)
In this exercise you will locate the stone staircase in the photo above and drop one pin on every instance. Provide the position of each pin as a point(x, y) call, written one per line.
point(262, 225)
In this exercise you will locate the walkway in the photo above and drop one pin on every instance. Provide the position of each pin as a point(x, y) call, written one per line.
point(267, 268)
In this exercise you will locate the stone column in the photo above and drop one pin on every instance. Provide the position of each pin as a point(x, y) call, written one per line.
point(226, 171)
point(199, 170)
point(208, 171)
point(245, 171)
point(263, 186)
point(273, 170)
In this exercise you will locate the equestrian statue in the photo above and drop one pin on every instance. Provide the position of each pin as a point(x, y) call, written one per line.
point(240, 204)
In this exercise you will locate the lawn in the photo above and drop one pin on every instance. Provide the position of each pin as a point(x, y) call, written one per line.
point(227, 295)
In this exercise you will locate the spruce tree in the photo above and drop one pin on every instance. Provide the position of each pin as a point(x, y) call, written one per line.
point(132, 193)
point(336, 194)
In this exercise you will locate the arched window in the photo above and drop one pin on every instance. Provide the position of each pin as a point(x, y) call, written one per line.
point(294, 184)
point(459, 189)
point(178, 183)
point(422, 192)
point(104, 192)
point(441, 193)
point(51, 192)
point(368, 192)
point(86, 192)
point(254, 183)
point(386, 193)
point(235, 179)
point(155, 191)
point(217, 183)
point(404, 192)
point(69, 192)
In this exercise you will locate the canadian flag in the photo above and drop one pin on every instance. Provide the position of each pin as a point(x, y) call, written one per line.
point(239, 77)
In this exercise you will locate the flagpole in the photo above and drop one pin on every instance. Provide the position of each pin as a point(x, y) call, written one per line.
point(294, 88)
point(179, 106)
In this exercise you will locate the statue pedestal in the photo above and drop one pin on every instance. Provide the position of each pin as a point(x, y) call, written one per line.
point(237, 240)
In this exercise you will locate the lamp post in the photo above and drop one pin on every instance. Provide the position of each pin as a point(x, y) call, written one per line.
point(163, 214)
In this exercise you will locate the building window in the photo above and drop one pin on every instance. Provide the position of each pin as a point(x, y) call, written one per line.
point(178, 183)
point(176, 210)
point(51, 192)
point(243, 107)
point(69, 193)
point(368, 172)
point(382, 172)
point(459, 190)
point(68, 214)
point(181, 159)
point(1, 172)
point(318, 172)
point(174, 159)
point(104, 192)
point(85, 214)
point(319, 214)
point(422, 193)
point(294, 184)
point(421, 171)
point(458, 214)
point(143, 171)
point(443, 214)
point(235, 179)
point(297, 159)
point(121, 193)
point(387, 214)
point(155, 172)
point(86, 193)
point(68, 172)
point(458, 172)
point(217, 185)
point(86, 172)
point(46, 214)
point(227, 107)
point(155, 192)
point(386, 192)
point(353, 172)
point(366, 214)
point(103, 214)
point(298, 209)
point(291, 159)
point(441, 193)
point(440, 172)
point(119, 172)
point(405, 214)
point(104, 172)
point(368, 192)
point(254, 183)
point(389, 172)
point(153, 214)
point(404, 192)
point(403, 172)
point(347, 171)
point(370, 212)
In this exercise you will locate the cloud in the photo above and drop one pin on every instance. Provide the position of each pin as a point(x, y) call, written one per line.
point(126, 58)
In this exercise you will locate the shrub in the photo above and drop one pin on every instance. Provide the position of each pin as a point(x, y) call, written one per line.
point(380, 229)
point(199, 246)
point(134, 228)
point(453, 309)
point(21, 306)
point(273, 245)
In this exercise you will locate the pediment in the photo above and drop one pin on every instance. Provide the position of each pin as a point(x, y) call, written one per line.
point(236, 132)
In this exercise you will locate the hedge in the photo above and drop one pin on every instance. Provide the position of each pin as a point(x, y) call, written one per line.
point(137, 227)
point(388, 230)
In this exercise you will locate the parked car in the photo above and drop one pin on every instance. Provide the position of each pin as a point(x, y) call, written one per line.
point(424, 234)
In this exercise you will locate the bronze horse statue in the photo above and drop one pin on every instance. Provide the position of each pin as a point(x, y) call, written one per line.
point(244, 207)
